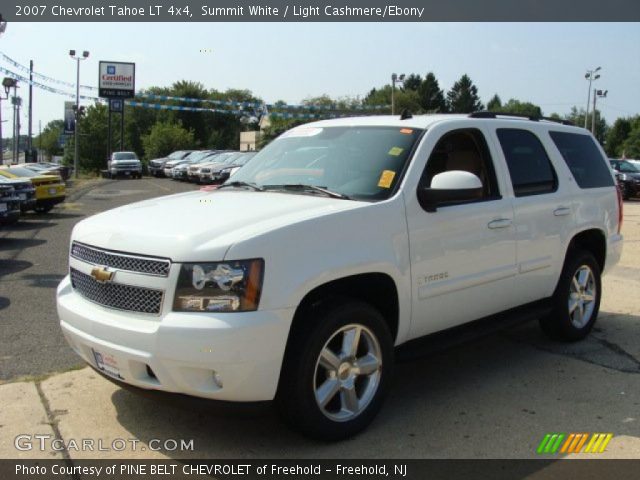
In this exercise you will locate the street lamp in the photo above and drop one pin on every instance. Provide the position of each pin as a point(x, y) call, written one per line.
point(85, 55)
point(8, 83)
point(596, 94)
point(395, 78)
point(592, 76)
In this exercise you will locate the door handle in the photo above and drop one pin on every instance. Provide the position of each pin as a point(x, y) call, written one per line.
point(499, 223)
point(562, 211)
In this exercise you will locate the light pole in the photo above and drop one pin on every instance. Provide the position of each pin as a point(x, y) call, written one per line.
point(592, 76)
point(395, 78)
point(85, 55)
point(596, 94)
point(8, 83)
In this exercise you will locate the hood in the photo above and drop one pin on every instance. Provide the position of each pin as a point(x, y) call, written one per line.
point(201, 226)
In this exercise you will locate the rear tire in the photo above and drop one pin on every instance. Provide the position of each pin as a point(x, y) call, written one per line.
point(576, 300)
point(337, 371)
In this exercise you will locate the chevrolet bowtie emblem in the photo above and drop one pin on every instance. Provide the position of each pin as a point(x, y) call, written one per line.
point(101, 274)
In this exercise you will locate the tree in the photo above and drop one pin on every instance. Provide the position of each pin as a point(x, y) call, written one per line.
point(631, 146)
point(48, 139)
point(92, 129)
point(412, 82)
point(617, 135)
point(404, 99)
point(521, 108)
point(463, 96)
point(431, 97)
point(495, 104)
point(165, 138)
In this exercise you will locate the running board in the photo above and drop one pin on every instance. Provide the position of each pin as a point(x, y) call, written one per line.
point(436, 342)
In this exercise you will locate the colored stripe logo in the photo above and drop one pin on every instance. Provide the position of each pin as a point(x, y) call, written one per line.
point(565, 443)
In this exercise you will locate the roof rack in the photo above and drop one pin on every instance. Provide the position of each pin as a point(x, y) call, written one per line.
point(535, 118)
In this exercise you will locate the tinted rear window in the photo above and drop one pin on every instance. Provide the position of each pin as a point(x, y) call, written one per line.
point(584, 159)
point(529, 165)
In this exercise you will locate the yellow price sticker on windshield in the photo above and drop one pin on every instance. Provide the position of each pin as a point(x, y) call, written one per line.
point(386, 178)
point(395, 151)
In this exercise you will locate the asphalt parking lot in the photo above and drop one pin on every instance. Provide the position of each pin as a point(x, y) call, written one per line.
point(495, 397)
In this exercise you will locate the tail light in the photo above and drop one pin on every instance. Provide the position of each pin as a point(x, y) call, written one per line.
point(620, 208)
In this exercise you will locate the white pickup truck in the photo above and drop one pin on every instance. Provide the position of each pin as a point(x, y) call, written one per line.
point(340, 242)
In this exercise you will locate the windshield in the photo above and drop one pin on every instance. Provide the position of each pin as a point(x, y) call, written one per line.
point(359, 162)
point(196, 156)
point(124, 156)
point(627, 167)
point(23, 172)
point(177, 155)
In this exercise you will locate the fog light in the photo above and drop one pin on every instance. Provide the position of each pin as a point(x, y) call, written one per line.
point(222, 303)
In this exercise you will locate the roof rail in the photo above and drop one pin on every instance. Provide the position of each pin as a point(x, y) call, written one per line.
point(535, 118)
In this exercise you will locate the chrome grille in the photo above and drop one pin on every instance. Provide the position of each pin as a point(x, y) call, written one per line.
point(117, 295)
point(121, 261)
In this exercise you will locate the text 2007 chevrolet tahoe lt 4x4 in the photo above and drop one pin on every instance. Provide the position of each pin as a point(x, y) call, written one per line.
point(339, 241)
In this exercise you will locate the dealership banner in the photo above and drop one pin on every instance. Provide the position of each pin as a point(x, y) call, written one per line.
point(320, 11)
point(69, 118)
point(266, 469)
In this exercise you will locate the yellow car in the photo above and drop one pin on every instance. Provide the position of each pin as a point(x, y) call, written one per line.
point(50, 189)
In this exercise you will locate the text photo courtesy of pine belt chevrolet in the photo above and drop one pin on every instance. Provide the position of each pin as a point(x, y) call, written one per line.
point(342, 242)
point(50, 190)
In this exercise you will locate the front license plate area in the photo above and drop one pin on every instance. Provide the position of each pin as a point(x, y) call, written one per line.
point(107, 363)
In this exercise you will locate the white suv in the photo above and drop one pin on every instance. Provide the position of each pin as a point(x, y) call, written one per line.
point(340, 241)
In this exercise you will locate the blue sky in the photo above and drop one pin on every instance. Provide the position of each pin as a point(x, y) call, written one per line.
point(541, 62)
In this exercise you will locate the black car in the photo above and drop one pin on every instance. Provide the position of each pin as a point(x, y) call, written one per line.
point(9, 204)
point(23, 190)
point(628, 176)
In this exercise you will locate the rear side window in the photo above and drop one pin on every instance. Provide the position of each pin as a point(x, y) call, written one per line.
point(529, 165)
point(584, 159)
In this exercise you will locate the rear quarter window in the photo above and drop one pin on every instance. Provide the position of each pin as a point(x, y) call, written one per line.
point(588, 167)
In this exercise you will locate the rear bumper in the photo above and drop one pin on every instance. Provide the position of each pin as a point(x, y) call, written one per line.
point(614, 252)
point(48, 202)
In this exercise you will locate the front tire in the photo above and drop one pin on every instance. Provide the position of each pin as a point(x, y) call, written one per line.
point(337, 371)
point(576, 301)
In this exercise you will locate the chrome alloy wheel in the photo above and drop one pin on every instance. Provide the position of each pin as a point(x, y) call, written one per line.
point(347, 373)
point(582, 295)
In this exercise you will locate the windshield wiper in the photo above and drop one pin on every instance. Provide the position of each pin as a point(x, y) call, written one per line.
point(308, 188)
point(239, 184)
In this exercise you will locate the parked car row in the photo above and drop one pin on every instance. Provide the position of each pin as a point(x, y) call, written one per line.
point(24, 188)
point(200, 166)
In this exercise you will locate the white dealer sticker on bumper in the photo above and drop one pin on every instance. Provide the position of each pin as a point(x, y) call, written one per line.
point(107, 363)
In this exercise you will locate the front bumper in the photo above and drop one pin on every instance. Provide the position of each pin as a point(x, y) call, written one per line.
point(181, 352)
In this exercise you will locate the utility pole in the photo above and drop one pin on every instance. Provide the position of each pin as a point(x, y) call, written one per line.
point(30, 106)
point(17, 147)
point(592, 77)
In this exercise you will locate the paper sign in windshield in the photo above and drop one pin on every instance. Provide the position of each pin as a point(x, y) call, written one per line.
point(386, 178)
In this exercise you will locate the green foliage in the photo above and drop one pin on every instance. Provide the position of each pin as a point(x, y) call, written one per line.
point(48, 139)
point(412, 82)
point(463, 96)
point(521, 108)
point(431, 97)
point(631, 145)
point(616, 136)
point(495, 104)
point(166, 137)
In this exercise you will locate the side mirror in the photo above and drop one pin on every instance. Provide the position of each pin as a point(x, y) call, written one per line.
point(450, 187)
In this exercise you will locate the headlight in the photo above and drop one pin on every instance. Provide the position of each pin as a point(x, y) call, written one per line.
point(219, 287)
